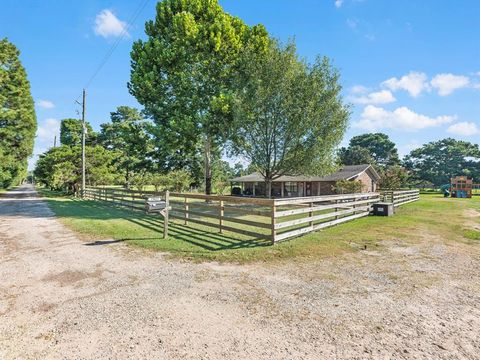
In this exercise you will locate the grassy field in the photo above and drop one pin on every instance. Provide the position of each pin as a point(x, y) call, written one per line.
point(99, 223)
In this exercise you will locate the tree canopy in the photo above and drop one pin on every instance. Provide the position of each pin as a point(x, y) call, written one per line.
point(438, 161)
point(71, 132)
point(60, 167)
point(376, 147)
point(355, 155)
point(289, 115)
point(128, 134)
point(18, 123)
point(182, 74)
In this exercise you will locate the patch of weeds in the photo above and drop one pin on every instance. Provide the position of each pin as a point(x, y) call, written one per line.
point(471, 234)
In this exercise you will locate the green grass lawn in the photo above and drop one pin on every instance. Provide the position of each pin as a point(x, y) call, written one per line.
point(100, 223)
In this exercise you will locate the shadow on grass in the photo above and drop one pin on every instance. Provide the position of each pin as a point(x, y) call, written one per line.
point(197, 237)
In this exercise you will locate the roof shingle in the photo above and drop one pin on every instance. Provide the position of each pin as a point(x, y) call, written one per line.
point(345, 173)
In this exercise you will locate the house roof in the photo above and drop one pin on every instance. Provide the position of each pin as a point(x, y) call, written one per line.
point(351, 171)
point(345, 173)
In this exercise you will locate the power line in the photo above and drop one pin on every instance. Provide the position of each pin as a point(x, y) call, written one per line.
point(108, 54)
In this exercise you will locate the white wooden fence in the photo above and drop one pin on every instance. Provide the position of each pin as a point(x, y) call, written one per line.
point(272, 219)
point(298, 216)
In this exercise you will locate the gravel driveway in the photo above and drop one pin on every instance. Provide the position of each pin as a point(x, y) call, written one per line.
point(61, 298)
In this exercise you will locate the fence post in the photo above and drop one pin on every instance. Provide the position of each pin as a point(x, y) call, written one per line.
point(310, 214)
point(274, 232)
point(165, 216)
point(186, 210)
point(221, 215)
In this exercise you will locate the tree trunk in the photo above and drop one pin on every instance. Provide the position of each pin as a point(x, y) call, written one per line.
point(208, 165)
point(127, 179)
point(268, 188)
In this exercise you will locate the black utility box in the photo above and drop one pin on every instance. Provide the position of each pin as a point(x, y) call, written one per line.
point(383, 209)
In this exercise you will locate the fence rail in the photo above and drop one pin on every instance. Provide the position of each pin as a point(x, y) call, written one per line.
point(272, 219)
point(298, 216)
point(400, 197)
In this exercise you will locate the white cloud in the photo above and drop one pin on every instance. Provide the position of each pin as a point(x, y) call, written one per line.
point(338, 3)
point(358, 89)
point(464, 129)
point(408, 147)
point(379, 97)
point(413, 82)
point(46, 132)
point(352, 23)
point(448, 83)
point(45, 104)
point(402, 118)
point(107, 24)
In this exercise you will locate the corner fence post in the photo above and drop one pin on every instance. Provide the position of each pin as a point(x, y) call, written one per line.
point(274, 232)
point(165, 217)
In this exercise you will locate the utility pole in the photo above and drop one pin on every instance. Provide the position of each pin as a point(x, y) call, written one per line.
point(83, 144)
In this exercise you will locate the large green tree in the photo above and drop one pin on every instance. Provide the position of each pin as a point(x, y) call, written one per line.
point(380, 148)
point(60, 168)
point(18, 122)
point(71, 132)
point(438, 161)
point(289, 115)
point(355, 155)
point(128, 134)
point(182, 74)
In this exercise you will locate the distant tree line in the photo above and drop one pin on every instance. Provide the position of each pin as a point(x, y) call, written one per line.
point(18, 123)
point(122, 153)
point(432, 164)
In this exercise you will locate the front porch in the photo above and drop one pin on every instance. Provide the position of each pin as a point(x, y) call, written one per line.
point(283, 189)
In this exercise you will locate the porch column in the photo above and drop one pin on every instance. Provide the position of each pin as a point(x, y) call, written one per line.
point(254, 188)
point(281, 191)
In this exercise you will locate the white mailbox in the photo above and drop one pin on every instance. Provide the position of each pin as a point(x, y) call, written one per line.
point(154, 205)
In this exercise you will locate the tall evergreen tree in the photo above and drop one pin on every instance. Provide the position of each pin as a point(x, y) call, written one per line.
point(128, 135)
point(18, 123)
point(375, 148)
point(71, 132)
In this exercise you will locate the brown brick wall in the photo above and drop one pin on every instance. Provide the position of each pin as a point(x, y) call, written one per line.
point(367, 182)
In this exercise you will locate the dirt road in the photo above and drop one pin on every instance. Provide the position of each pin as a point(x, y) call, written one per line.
point(61, 298)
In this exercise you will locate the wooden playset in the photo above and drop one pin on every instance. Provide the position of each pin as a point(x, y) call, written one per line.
point(462, 187)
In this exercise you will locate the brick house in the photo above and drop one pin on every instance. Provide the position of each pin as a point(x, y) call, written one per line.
point(300, 185)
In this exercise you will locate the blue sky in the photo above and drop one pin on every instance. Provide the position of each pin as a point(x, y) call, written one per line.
point(410, 68)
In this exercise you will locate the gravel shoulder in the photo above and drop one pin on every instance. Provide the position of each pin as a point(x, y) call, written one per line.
point(61, 298)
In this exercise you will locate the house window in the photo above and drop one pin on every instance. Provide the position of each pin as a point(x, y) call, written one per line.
point(290, 189)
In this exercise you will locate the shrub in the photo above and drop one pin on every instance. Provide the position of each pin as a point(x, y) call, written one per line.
point(348, 186)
